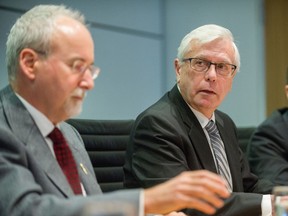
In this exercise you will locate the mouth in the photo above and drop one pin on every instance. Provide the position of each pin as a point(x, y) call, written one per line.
point(79, 95)
point(208, 92)
point(78, 98)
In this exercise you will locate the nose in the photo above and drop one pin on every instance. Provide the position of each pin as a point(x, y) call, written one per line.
point(211, 74)
point(87, 81)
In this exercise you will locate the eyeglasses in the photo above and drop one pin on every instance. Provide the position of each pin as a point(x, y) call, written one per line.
point(201, 65)
point(80, 67)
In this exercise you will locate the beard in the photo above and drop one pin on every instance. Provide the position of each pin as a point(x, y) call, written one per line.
point(73, 105)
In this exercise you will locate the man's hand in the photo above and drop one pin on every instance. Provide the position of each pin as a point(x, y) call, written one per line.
point(201, 190)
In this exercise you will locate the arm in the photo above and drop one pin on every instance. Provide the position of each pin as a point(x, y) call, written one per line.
point(22, 193)
point(158, 151)
point(153, 155)
point(23, 196)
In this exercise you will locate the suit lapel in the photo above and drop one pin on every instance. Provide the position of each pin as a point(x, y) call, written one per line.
point(85, 170)
point(196, 133)
point(40, 150)
point(87, 177)
point(198, 138)
point(24, 128)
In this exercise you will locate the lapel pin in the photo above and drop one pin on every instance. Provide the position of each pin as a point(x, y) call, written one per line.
point(83, 168)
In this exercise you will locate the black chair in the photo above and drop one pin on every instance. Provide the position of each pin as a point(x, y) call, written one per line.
point(244, 135)
point(105, 142)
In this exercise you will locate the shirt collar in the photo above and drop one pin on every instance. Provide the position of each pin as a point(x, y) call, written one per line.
point(203, 120)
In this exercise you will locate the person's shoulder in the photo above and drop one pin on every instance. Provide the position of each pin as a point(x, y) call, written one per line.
point(66, 126)
point(280, 112)
point(68, 129)
point(224, 119)
point(278, 116)
point(157, 108)
point(276, 124)
point(223, 115)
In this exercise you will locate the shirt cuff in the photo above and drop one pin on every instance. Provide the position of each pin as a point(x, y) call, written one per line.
point(141, 203)
point(266, 205)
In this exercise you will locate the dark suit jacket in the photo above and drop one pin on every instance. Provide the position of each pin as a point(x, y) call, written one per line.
point(268, 148)
point(31, 181)
point(167, 139)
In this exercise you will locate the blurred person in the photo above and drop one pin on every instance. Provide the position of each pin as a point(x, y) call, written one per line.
point(267, 150)
point(184, 131)
point(44, 167)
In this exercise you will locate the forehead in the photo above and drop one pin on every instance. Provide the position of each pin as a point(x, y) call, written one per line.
point(216, 50)
point(72, 38)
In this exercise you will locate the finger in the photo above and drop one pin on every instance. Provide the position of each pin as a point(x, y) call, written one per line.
point(200, 205)
point(214, 187)
point(188, 183)
point(199, 193)
point(213, 182)
point(205, 174)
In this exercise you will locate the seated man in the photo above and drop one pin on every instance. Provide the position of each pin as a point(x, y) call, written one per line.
point(184, 131)
point(44, 168)
point(267, 150)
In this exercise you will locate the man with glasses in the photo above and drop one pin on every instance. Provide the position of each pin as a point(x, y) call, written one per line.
point(184, 131)
point(44, 167)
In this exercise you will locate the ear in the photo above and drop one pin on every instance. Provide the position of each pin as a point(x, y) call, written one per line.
point(177, 69)
point(27, 60)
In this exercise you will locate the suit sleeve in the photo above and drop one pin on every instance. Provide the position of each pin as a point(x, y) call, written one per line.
point(238, 204)
point(21, 195)
point(154, 153)
point(158, 151)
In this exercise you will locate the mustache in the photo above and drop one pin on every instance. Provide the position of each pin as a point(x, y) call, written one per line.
point(79, 93)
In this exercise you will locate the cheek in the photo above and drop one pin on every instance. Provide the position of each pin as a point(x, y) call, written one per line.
point(229, 85)
point(190, 85)
point(226, 87)
point(194, 81)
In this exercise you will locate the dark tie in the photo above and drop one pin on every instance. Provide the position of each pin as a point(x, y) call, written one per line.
point(219, 153)
point(65, 159)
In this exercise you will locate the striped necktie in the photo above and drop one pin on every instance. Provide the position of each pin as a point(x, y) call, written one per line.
point(219, 153)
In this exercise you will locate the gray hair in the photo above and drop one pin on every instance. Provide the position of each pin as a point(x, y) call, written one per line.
point(33, 30)
point(205, 34)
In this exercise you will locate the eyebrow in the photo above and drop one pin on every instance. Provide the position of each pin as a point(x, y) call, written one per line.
point(223, 61)
point(72, 60)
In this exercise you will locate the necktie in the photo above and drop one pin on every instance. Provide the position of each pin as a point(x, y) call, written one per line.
point(65, 159)
point(219, 153)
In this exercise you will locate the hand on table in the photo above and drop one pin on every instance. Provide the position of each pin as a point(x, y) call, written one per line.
point(201, 190)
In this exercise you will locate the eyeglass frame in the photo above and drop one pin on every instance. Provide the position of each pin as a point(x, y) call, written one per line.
point(94, 70)
point(209, 63)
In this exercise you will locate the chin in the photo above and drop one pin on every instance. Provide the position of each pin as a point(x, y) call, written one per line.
point(74, 111)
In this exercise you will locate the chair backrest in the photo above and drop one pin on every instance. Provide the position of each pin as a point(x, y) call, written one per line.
point(105, 142)
point(244, 135)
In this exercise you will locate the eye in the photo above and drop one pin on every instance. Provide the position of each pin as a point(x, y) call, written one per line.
point(222, 66)
point(79, 67)
point(199, 63)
